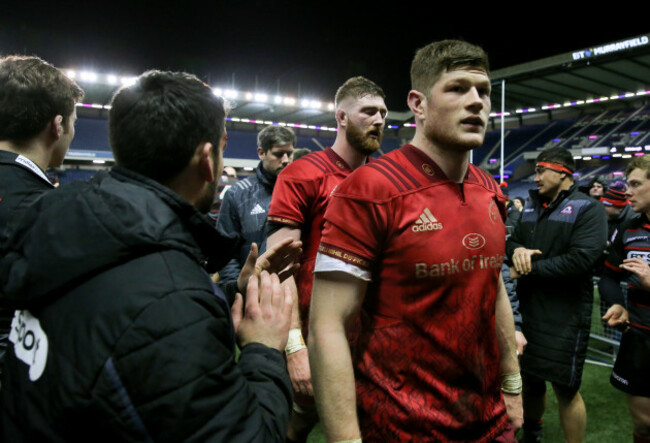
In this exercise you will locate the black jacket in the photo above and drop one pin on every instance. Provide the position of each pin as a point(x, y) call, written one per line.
point(21, 183)
point(121, 333)
point(555, 299)
point(243, 215)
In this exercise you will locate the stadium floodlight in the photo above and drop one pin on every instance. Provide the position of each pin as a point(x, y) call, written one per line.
point(289, 101)
point(112, 79)
point(261, 97)
point(304, 103)
point(248, 96)
point(217, 91)
point(315, 104)
point(71, 73)
point(88, 76)
point(277, 100)
point(230, 93)
point(330, 106)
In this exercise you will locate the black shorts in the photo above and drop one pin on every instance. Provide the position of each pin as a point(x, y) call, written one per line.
point(632, 365)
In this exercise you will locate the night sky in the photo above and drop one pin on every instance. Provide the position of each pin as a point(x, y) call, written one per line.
point(306, 48)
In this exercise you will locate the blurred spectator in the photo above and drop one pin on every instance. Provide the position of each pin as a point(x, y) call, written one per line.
point(297, 153)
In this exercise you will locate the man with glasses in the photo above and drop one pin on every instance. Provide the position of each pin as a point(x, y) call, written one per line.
point(561, 235)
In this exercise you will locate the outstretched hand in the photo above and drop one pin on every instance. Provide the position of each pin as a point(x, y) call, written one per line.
point(280, 259)
point(267, 315)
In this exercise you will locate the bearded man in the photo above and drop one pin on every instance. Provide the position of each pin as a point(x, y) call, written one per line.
point(298, 205)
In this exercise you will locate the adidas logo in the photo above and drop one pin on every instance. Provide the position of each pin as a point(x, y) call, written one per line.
point(426, 222)
point(258, 210)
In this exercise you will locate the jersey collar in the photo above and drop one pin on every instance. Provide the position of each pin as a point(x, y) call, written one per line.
point(337, 160)
point(430, 168)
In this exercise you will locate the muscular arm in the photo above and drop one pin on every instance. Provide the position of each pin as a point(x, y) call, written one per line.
point(336, 300)
point(505, 327)
point(297, 362)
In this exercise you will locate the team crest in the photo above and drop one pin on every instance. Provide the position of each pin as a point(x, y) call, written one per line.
point(568, 210)
point(493, 212)
point(428, 169)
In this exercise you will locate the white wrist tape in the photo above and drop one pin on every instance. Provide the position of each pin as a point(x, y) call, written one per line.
point(295, 342)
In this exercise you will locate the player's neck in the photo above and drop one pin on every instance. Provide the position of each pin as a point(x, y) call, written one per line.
point(351, 156)
point(453, 162)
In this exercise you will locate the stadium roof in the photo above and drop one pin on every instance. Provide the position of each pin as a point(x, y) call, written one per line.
point(611, 74)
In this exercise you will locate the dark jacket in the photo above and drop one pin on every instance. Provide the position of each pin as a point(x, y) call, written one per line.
point(21, 183)
point(243, 215)
point(555, 299)
point(121, 333)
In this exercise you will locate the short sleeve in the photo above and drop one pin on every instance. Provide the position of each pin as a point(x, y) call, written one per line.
point(292, 199)
point(354, 229)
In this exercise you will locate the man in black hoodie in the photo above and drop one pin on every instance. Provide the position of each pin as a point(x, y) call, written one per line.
point(119, 332)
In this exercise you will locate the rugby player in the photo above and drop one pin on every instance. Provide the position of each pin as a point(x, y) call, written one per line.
point(629, 257)
point(414, 242)
point(300, 197)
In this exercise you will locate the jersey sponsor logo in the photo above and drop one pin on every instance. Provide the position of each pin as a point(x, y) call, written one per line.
point(257, 210)
point(426, 222)
point(456, 266)
point(474, 241)
point(568, 210)
point(643, 255)
point(30, 342)
point(633, 239)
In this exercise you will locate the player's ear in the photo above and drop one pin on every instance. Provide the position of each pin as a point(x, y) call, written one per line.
point(56, 129)
point(417, 103)
point(260, 152)
point(207, 164)
point(341, 117)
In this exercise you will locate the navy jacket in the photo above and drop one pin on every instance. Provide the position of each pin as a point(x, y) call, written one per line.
point(243, 216)
point(555, 299)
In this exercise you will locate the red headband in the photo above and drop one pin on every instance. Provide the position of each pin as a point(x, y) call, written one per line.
point(555, 167)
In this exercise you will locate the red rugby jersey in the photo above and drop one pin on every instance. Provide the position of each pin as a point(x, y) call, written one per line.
point(426, 362)
point(300, 197)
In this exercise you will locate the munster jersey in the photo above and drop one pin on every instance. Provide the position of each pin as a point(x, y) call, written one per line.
point(299, 200)
point(426, 361)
